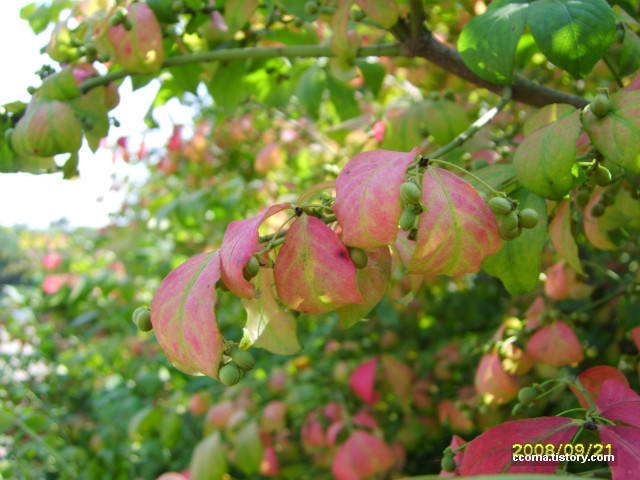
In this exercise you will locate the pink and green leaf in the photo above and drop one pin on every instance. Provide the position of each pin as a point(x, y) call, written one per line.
point(313, 270)
point(183, 316)
point(240, 243)
point(592, 380)
point(368, 197)
point(457, 231)
point(384, 12)
point(562, 238)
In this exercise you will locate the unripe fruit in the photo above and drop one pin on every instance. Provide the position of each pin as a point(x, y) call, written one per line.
point(608, 198)
point(582, 198)
point(358, 257)
point(528, 395)
point(413, 235)
point(600, 105)
point(509, 221)
point(602, 176)
point(142, 319)
point(311, 7)
point(229, 374)
point(356, 15)
point(500, 205)
point(7, 134)
point(598, 210)
point(407, 219)
point(448, 464)
point(410, 193)
point(243, 359)
point(251, 269)
point(528, 218)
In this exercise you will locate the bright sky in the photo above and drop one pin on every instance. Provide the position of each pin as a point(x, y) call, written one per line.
point(37, 200)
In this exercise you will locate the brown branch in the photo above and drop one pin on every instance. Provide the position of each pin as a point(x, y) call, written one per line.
point(524, 91)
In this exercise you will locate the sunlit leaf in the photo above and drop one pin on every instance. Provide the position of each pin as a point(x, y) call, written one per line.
point(183, 316)
point(492, 382)
point(313, 270)
point(384, 12)
point(238, 12)
point(573, 34)
point(457, 231)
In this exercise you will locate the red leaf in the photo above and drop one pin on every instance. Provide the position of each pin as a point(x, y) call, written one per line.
point(592, 380)
point(619, 403)
point(184, 319)
point(562, 238)
point(492, 452)
point(362, 455)
point(362, 381)
point(373, 282)
point(625, 442)
point(457, 231)
point(313, 271)
point(492, 382)
point(368, 197)
point(555, 345)
point(239, 244)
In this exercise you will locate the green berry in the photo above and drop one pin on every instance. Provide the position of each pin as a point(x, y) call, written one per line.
point(500, 205)
point(620, 34)
point(602, 176)
point(528, 395)
point(311, 7)
point(229, 374)
point(434, 96)
point(413, 235)
point(582, 198)
point(407, 219)
point(142, 319)
point(598, 210)
point(448, 464)
point(7, 134)
point(528, 218)
point(600, 105)
point(608, 198)
point(450, 94)
point(243, 359)
point(517, 409)
point(509, 221)
point(251, 269)
point(410, 193)
point(510, 234)
point(358, 257)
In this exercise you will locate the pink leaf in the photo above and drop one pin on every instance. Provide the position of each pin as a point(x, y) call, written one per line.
point(183, 316)
point(362, 455)
point(491, 381)
point(457, 231)
point(492, 452)
point(373, 282)
point(619, 403)
point(592, 380)
point(362, 381)
point(592, 230)
point(625, 442)
point(269, 326)
point(239, 244)
point(368, 197)
point(562, 238)
point(313, 271)
point(555, 345)
point(365, 420)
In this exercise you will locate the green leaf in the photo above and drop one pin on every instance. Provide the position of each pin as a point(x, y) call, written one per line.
point(39, 16)
point(373, 73)
point(187, 77)
point(343, 98)
point(444, 120)
point(248, 449)
point(91, 107)
point(517, 263)
point(544, 160)
point(227, 86)
point(495, 175)
point(296, 8)
point(404, 131)
point(209, 459)
point(238, 12)
point(488, 42)
point(629, 54)
point(269, 326)
point(309, 89)
point(572, 34)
